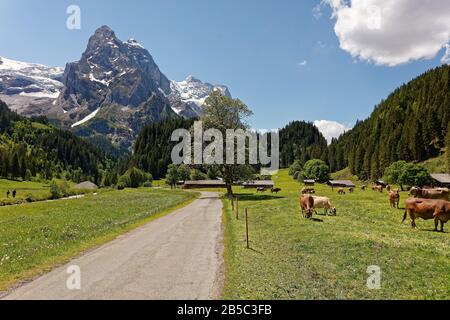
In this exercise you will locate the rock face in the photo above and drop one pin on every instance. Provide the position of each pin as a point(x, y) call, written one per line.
point(114, 90)
point(187, 97)
point(28, 87)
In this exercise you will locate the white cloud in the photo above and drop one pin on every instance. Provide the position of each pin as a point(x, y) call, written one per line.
point(303, 63)
point(446, 58)
point(317, 11)
point(391, 32)
point(330, 129)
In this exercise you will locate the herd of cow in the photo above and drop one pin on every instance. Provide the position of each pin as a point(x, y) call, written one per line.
point(423, 203)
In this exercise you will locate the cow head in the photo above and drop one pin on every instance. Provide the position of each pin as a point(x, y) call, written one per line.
point(333, 211)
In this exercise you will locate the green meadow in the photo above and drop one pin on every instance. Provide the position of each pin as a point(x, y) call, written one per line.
point(37, 236)
point(327, 258)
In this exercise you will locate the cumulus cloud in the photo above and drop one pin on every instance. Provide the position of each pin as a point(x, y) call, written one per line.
point(391, 33)
point(330, 129)
point(446, 58)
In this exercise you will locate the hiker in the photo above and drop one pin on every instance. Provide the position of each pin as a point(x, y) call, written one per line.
point(7, 194)
point(14, 193)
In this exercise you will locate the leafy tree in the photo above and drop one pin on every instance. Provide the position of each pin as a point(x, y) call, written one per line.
point(414, 175)
point(223, 113)
point(295, 167)
point(393, 172)
point(172, 176)
point(123, 182)
point(315, 169)
point(183, 172)
point(197, 175)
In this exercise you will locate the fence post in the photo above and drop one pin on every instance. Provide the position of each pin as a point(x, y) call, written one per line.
point(237, 208)
point(232, 204)
point(246, 228)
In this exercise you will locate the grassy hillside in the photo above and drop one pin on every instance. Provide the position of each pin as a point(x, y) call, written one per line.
point(295, 258)
point(35, 237)
point(436, 165)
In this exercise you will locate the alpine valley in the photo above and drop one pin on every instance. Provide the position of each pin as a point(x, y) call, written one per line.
point(108, 95)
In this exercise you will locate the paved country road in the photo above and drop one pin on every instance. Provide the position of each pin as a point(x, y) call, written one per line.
point(178, 256)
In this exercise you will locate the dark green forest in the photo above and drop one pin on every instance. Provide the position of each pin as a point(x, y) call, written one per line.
point(411, 125)
point(301, 141)
point(152, 150)
point(33, 147)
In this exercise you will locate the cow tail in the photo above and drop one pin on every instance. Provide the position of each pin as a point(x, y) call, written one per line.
point(404, 216)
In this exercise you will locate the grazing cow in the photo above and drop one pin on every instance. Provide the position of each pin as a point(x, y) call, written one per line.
point(275, 190)
point(363, 187)
point(261, 189)
point(307, 205)
point(341, 191)
point(443, 217)
point(325, 203)
point(378, 188)
point(427, 209)
point(308, 191)
point(394, 198)
point(438, 194)
point(351, 190)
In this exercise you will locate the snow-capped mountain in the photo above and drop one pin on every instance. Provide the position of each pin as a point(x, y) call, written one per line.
point(187, 97)
point(114, 90)
point(24, 85)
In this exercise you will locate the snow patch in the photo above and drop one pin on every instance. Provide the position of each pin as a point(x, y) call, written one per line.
point(86, 119)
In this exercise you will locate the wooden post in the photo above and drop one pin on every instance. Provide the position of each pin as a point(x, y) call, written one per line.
point(232, 204)
point(246, 228)
point(237, 208)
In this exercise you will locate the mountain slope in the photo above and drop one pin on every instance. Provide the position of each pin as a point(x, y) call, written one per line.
point(410, 124)
point(30, 147)
point(113, 91)
point(28, 87)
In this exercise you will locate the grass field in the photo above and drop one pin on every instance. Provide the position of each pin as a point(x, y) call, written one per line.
point(295, 258)
point(37, 236)
point(39, 190)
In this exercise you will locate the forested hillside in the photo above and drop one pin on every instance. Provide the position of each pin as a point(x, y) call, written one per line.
point(152, 150)
point(411, 124)
point(32, 147)
point(302, 141)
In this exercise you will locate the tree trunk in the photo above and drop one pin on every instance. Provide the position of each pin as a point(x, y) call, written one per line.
point(229, 190)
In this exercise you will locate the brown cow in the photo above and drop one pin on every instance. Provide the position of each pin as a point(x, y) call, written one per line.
point(438, 194)
point(261, 189)
point(307, 205)
point(351, 190)
point(378, 188)
point(394, 198)
point(275, 190)
point(308, 191)
point(427, 209)
point(341, 191)
point(443, 217)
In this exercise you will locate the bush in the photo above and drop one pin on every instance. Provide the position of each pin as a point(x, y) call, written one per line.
point(55, 190)
point(295, 167)
point(124, 182)
point(197, 175)
point(316, 170)
point(147, 184)
point(138, 177)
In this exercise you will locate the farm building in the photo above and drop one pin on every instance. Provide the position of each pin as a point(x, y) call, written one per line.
point(441, 179)
point(341, 184)
point(204, 184)
point(259, 184)
point(309, 182)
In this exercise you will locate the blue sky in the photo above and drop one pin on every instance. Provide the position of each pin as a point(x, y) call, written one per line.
point(277, 56)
